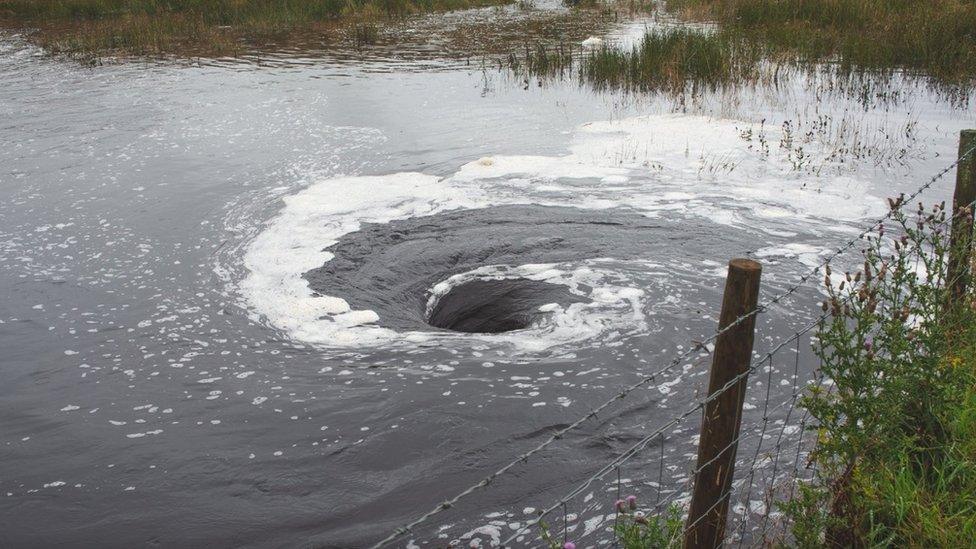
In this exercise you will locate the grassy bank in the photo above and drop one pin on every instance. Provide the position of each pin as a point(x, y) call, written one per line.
point(896, 437)
point(935, 36)
point(200, 27)
point(753, 40)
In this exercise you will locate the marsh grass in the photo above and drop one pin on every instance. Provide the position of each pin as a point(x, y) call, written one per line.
point(365, 33)
point(860, 44)
point(202, 27)
point(662, 61)
point(670, 60)
point(937, 37)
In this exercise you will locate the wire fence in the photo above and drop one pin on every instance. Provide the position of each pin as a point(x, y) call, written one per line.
point(699, 405)
point(773, 443)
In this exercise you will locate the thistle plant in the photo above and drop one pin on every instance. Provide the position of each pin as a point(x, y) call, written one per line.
point(892, 386)
point(882, 344)
point(636, 529)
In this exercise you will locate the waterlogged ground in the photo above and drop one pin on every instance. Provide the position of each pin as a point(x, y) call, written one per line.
point(216, 280)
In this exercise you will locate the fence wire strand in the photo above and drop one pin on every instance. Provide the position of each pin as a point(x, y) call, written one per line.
point(696, 348)
point(634, 449)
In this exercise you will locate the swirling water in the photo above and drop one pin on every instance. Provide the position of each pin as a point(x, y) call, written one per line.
point(218, 278)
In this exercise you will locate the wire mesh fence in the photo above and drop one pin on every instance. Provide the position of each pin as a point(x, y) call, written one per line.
point(652, 479)
point(770, 445)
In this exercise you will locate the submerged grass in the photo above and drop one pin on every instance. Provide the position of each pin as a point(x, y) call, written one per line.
point(668, 60)
point(199, 27)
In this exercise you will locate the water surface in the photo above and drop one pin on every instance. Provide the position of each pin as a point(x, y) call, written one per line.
point(216, 280)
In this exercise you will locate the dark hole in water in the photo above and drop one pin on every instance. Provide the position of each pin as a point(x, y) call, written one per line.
point(390, 267)
point(495, 306)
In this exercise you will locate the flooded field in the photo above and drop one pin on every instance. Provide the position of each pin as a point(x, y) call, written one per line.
point(245, 300)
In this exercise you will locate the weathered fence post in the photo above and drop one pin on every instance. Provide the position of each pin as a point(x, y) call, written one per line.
point(722, 416)
point(960, 246)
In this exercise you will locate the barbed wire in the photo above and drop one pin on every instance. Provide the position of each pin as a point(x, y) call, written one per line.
point(765, 416)
point(787, 402)
point(640, 444)
point(765, 529)
point(791, 477)
point(727, 495)
point(696, 348)
point(765, 423)
point(636, 448)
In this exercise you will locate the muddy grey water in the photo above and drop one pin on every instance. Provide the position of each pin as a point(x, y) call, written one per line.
point(217, 282)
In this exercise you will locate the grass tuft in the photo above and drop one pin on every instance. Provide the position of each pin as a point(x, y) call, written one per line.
point(662, 61)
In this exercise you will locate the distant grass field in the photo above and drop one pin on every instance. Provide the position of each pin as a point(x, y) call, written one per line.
point(197, 27)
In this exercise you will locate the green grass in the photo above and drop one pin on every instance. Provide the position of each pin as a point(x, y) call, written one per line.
point(895, 451)
point(756, 40)
point(667, 61)
point(208, 27)
point(632, 528)
point(937, 37)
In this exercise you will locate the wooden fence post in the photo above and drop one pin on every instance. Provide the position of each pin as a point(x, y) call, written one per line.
point(960, 245)
point(722, 416)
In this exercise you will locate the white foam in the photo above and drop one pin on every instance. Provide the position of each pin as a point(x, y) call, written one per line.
point(806, 254)
point(593, 42)
point(672, 165)
point(613, 302)
point(316, 218)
